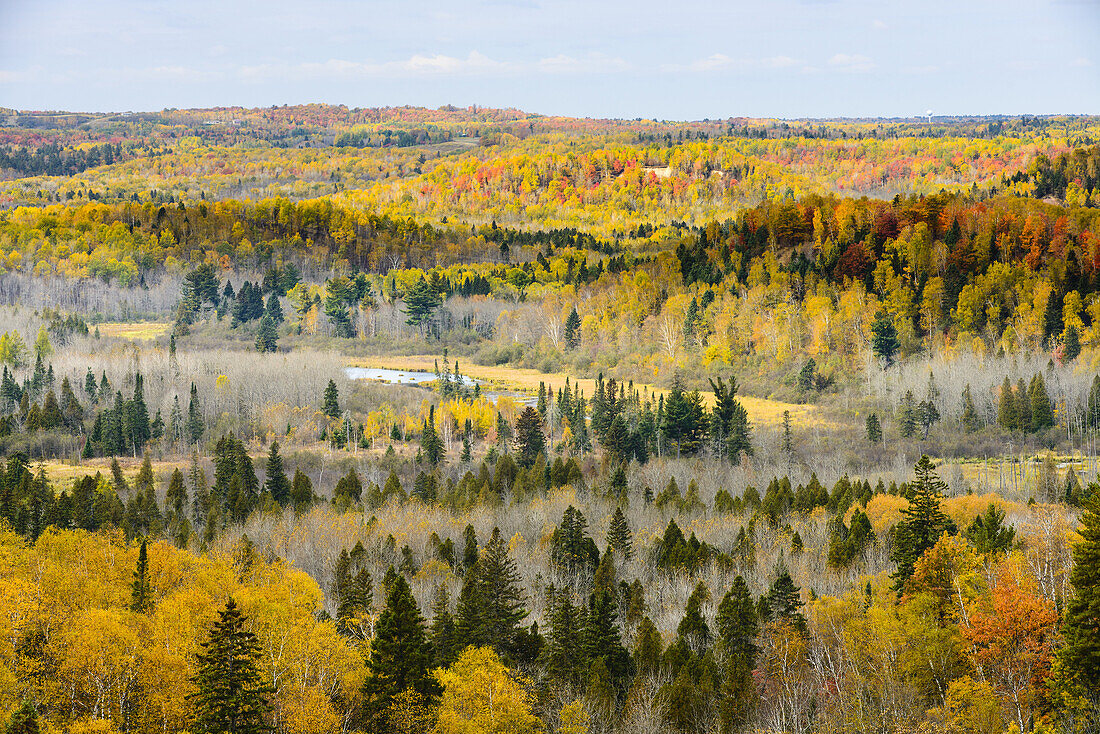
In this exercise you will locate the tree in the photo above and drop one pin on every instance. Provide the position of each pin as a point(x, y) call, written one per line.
point(1071, 344)
point(481, 695)
point(1042, 413)
point(330, 402)
point(684, 419)
point(43, 349)
point(277, 484)
point(24, 720)
point(267, 336)
point(988, 532)
point(421, 301)
point(573, 329)
point(400, 654)
point(195, 424)
point(807, 376)
point(884, 340)
point(971, 420)
point(1013, 645)
point(230, 696)
point(140, 592)
point(925, 522)
point(874, 429)
point(1079, 659)
point(430, 442)
point(783, 602)
point(737, 631)
point(618, 536)
point(490, 605)
point(530, 441)
point(1007, 415)
point(908, 415)
point(274, 309)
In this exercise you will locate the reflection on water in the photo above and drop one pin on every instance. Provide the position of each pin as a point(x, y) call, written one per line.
point(412, 377)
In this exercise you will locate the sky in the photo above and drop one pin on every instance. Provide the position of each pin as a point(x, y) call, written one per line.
point(681, 60)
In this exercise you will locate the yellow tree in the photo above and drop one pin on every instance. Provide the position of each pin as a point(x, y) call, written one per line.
point(482, 696)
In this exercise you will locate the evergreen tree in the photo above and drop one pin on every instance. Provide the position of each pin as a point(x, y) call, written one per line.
point(530, 441)
point(925, 522)
point(301, 491)
point(737, 631)
point(400, 655)
point(784, 600)
point(874, 429)
point(421, 301)
point(195, 424)
point(430, 442)
point(573, 329)
point(907, 415)
point(277, 484)
point(971, 420)
point(490, 605)
point(1007, 416)
point(231, 697)
point(140, 431)
point(24, 720)
point(1042, 413)
point(330, 403)
point(267, 336)
point(988, 532)
point(1023, 407)
point(571, 549)
point(564, 653)
point(274, 309)
point(1079, 659)
point(140, 592)
point(1071, 344)
point(684, 419)
point(618, 536)
point(884, 341)
point(601, 640)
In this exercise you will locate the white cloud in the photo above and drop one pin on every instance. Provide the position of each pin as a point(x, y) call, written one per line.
point(594, 63)
point(1080, 62)
point(851, 62)
point(879, 25)
point(420, 65)
point(722, 62)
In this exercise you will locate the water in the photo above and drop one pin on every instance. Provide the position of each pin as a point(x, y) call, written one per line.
point(395, 377)
point(413, 377)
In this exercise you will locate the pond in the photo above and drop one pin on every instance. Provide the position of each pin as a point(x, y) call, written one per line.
point(413, 377)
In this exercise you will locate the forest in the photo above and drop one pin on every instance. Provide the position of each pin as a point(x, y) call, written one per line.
point(318, 419)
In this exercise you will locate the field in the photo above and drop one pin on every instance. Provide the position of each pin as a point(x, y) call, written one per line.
point(140, 331)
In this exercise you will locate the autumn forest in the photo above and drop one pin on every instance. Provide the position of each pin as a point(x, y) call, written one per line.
point(324, 419)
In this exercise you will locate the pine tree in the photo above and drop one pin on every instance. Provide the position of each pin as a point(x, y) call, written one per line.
point(24, 720)
point(195, 424)
point(573, 329)
point(140, 593)
point(1071, 344)
point(884, 341)
point(874, 429)
point(737, 631)
point(1042, 413)
point(430, 442)
point(618, 535)
point(907, 415)
point(971, 420)
point(301, 491)
point(277, 484)
point(400, 654)
point(530, 441)
point(330, 403)
point(274, 309)
point(267, 336)
point(988, 532)
point(139, 415)
point(564, 654)
point(784, 600)
point(231, 697)
point(490, 605)
point(601, 640)
point(1079, 659)
point(925, 522)
point(1023, 407)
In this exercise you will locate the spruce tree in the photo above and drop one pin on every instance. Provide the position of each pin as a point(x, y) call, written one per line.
point(1079, 659)
point(1071, 344)
point(874, 429)
point(737, 631)
point(24, 720)
point(530, 441)
point(618, 535)
point(573, 329)
point(274, 309)
point(330, 402)
point(231, 697)
point(907, 415)
point(1023, 407)
point(925, 522)
point(1042, 413)
point(884, 341)
point(601, 640)
point(277, 484)
point(491, 602)
point(784, 600)
point(195, 424)
point(140, 592)
point(267, 336)
point(971, 420)
point(400, 655)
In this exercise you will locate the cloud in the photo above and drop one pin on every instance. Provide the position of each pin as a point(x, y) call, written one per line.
point(722, 62)
point(851, 62)
point(1080, 62)
point(594, 63)
point(879, 25)
point(419, 65)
